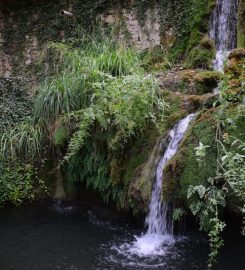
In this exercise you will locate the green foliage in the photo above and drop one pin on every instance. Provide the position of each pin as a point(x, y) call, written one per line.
point(205, 204)
point(200, 57)
point(156, 59)
point(207, 201)
point(60, 135)
point(100, 96)
point(178, 213)
point(61, 95)
point(21, 141)
point(96, 100)
point(16, 183)
point(117, 62)
point(188, 20)
point(201, 152)
point(232, 166)
point(232, 86)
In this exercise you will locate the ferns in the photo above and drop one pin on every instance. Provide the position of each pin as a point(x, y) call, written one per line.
point(79, 137)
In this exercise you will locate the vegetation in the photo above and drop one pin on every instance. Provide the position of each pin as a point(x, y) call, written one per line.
point(15, 183)
point(202, 55)
point(208, 200)
point(97, 100)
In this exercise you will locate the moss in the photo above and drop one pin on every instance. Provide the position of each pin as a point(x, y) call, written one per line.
point(139, 162)
point(155, 59)
point(202, 55)
point(241, 24)
point(237, 54)
point(177, 109)
point(60, 136)
point(194, 40)
point(206, 81)
point(233, 84)
point(191, 82)
point(191, 20)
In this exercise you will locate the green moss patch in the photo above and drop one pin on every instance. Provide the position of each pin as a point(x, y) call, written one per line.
point(201, 56)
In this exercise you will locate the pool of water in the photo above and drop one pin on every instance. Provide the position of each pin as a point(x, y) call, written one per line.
point(73, 238)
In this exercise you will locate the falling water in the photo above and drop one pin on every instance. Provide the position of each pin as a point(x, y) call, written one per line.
point(223, 30)
point(159, 219)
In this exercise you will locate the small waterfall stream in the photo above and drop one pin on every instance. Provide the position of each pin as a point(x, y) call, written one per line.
point(223, 30)
point(159, 219)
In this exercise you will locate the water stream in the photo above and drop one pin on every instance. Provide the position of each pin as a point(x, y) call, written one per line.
point(223, 30)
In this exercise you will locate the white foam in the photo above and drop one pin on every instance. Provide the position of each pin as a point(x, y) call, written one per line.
point(151, 245)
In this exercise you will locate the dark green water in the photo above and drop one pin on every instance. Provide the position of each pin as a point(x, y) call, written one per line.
point(71, 238)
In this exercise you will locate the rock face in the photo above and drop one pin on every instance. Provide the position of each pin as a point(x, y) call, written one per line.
point(143, 34)
point(144, 176)
point(26, 25)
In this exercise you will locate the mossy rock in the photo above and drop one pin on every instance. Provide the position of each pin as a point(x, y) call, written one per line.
point(141, 159)
point(184, 170)
point(206, 81)
point(192, 81)
point(202, 55)
point(191, 21)
point(194, 40)
point(237, 54)
point(207, 43)
point(139, 170)
point(234, 77)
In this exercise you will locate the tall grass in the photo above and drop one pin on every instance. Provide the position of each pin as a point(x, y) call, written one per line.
point(22, 141)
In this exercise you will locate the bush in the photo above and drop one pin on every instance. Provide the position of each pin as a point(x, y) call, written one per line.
point(16, 183)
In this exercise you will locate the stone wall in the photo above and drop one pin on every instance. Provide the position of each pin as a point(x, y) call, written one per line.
point(26, 25)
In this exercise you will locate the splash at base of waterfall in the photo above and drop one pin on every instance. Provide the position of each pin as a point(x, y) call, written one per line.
point(150, 245)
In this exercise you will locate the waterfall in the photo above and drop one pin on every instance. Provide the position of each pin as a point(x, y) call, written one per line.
point(223, 30)
point(159, 219)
